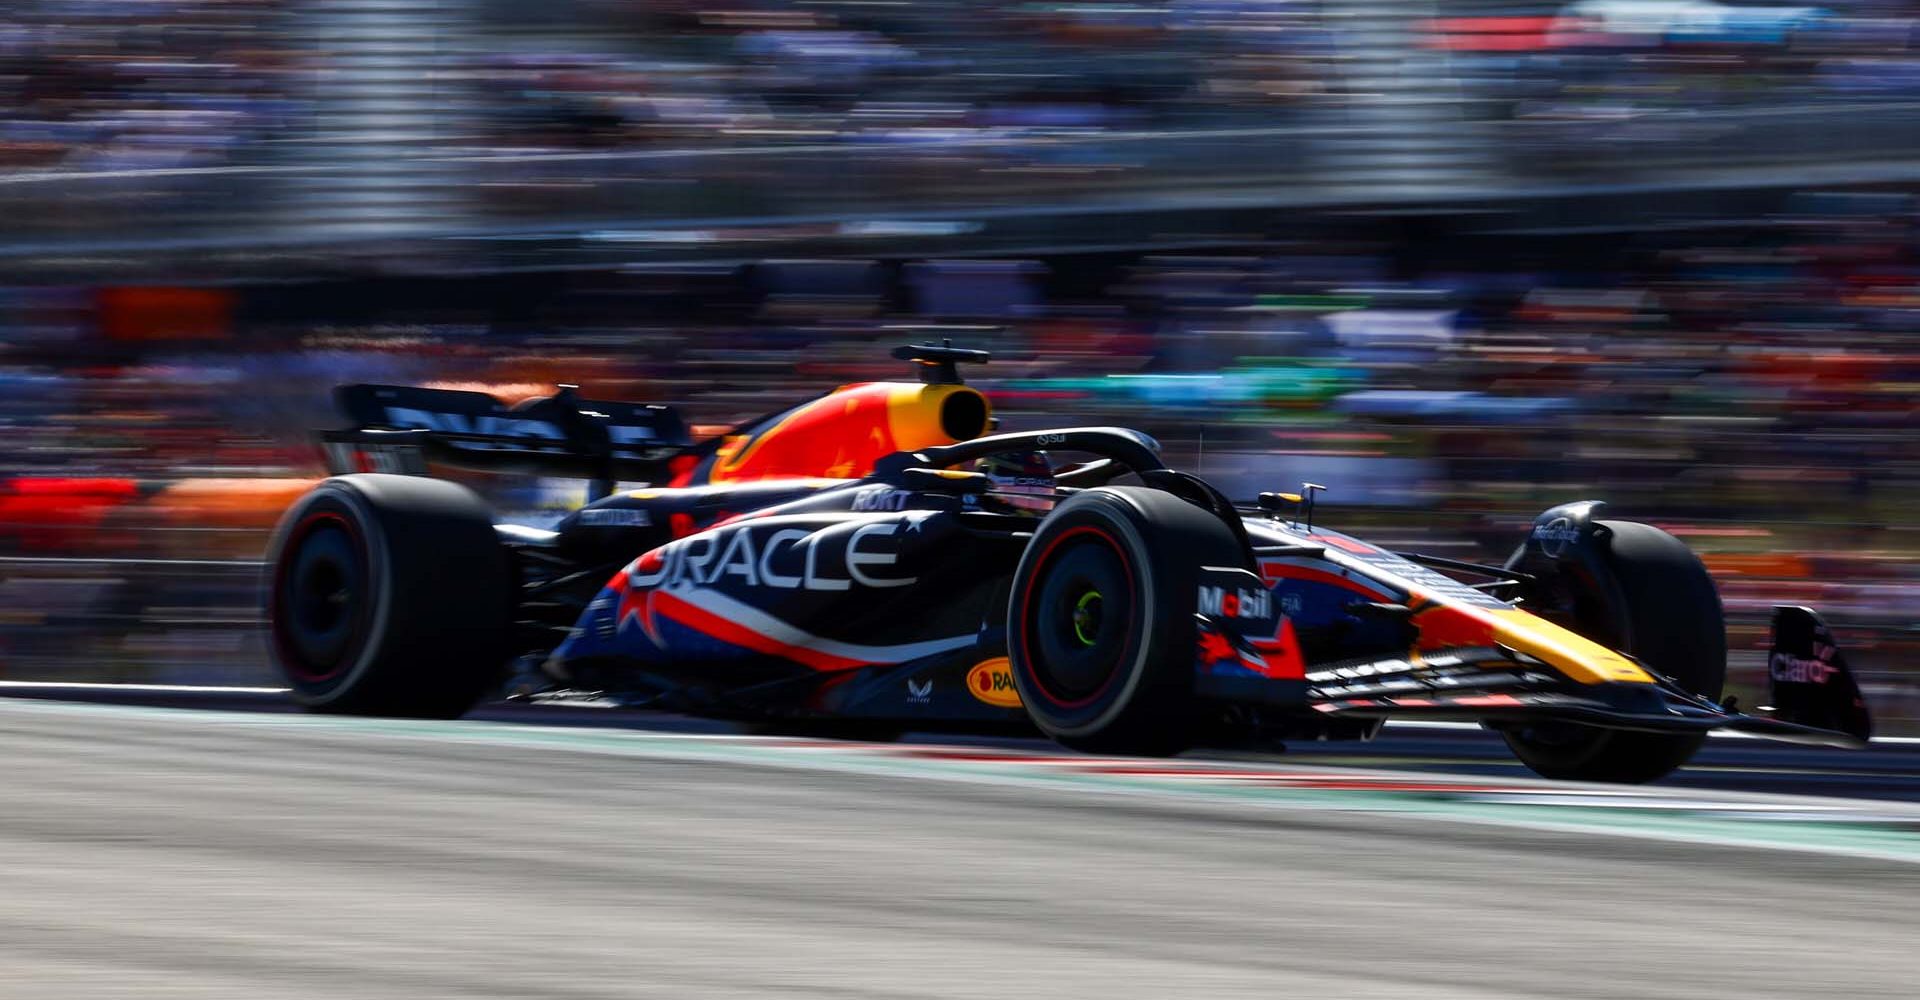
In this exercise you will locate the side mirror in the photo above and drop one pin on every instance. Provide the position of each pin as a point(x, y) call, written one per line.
point(1274, 503)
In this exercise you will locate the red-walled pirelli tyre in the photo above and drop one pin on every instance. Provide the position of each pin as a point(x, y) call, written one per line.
point(1674, 625)
point(389, 595)
point(1100, 619)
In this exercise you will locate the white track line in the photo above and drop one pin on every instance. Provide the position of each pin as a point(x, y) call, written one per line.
point(139, 688)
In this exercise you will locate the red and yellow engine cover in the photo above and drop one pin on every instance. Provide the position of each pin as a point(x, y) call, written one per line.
point(842, 434)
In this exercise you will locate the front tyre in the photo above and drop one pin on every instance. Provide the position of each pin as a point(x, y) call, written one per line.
point(389, 595)
point(1100, 619)
point(1673, 624)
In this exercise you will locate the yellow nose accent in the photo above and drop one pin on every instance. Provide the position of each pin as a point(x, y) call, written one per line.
point(1574, 655)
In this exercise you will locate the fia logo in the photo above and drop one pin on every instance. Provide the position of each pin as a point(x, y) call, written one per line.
point(919, 693)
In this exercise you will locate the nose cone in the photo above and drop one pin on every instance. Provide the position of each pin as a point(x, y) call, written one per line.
point(1572, 654)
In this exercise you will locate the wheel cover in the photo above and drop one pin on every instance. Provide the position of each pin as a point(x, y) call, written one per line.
point(320, 598)
point(1077, 620)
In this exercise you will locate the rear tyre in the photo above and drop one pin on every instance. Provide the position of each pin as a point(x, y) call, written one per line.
point(1100, 619)
point(389, 595)
point(1673, 624)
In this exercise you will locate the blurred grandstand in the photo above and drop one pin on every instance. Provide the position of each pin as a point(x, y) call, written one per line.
point(207, 126)
point(1458, 262)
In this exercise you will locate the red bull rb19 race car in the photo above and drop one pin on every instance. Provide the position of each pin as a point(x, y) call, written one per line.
point(877, 560)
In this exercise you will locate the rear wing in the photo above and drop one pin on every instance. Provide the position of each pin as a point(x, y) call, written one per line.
point(402, 428)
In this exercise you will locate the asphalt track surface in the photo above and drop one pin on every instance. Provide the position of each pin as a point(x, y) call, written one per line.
point(161, 851)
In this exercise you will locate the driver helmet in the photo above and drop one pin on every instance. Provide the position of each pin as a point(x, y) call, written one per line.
point(1021, 480)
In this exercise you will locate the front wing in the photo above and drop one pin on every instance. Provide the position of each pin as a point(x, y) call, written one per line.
point(1498, 688)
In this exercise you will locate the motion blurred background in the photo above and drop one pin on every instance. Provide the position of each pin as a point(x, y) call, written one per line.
point(1459, 260)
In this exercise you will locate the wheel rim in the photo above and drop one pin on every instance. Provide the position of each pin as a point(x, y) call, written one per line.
point(320, 597)
point(1077, 628)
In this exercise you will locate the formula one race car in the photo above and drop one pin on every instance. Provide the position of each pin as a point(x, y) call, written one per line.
point(873, 561)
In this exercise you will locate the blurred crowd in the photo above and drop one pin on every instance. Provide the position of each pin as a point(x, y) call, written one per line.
point(1765, 369)
point(249, 112)
point(929, 74)
point(114, 85)
point(935, 74)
